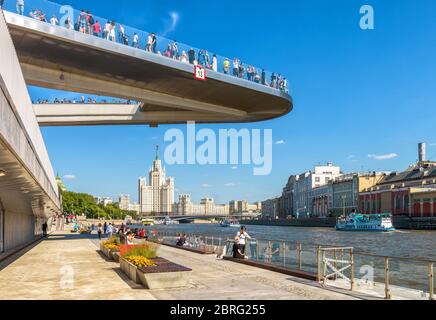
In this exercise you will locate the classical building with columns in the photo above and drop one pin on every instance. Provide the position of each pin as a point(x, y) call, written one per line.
point(206, 207)
point(156, 197)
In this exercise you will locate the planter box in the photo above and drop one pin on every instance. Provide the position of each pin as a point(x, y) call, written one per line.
point(105, 251)
point(165, 275)
point(129, 269)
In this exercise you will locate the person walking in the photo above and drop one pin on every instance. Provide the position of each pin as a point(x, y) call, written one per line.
point(20, 7)
point(82, 21)
point(99, 231)
point(236, 67)
point(96, 28)
point(110, 230)
point(44, 229)
point(226, 66)
point(106, 30)
point(121, 33)
point(105, 227)
point(243, 236)
point(191, 56)
point(263, 77)
point(112, 32)
point(54, 21)
point(200, 58)
point(68, 24)
point(154, 43)
point(136, 41)
point(90, 22)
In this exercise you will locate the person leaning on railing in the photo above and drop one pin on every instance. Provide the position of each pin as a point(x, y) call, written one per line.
point(237, 251)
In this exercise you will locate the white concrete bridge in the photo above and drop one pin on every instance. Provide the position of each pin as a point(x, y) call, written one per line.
point(59, 58)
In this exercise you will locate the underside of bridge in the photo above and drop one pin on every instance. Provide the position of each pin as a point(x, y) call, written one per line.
point(57, 58)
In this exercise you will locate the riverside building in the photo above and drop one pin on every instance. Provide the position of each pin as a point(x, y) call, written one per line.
point(306, 182)
point(206, 207)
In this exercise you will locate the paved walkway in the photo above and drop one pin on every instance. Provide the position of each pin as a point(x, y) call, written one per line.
point(69, 266)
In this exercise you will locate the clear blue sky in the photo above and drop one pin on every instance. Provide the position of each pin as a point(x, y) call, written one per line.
point(356, 92)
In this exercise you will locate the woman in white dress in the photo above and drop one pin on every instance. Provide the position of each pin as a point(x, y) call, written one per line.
point(112, 32)
point(215, 63)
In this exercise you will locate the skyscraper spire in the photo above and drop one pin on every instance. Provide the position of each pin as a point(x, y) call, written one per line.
point(157, 152)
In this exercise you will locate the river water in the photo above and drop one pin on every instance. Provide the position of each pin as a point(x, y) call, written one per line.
point(405, 244)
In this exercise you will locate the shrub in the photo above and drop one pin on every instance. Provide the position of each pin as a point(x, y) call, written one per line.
point(112, 246)
point(148, 251)
point(140, 262)
point(113, 240)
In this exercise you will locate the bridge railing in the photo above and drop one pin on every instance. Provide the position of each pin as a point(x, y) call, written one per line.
point(335, 266)
point(45, 10)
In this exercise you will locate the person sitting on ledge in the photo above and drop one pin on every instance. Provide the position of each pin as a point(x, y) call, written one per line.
point(180, 241)
point(130, 236)
point(237, 253)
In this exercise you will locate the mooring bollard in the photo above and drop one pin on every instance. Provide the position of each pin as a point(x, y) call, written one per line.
point(318, 256)
point(324, 279)
point(387, 289)
point(351, 270)
point(431, 280)
point(299, 249)
point(284, 254)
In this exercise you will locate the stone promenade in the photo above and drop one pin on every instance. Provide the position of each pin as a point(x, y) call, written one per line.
point(69, 267)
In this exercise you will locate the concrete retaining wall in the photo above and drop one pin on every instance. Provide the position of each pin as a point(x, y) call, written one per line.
point(20, 228)
point(29, 189)
point(18, 125)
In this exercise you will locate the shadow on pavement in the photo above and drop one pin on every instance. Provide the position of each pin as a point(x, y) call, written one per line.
point(127, 280)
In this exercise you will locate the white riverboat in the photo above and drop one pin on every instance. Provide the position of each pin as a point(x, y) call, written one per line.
point(230, 224)
point(366, 223)
point(168, 221)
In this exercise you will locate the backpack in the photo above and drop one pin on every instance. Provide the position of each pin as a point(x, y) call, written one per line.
point(91, 20)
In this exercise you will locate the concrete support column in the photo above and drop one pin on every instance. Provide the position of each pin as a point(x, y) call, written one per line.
point(411, 207)
point(2, 227)
point(422, 207)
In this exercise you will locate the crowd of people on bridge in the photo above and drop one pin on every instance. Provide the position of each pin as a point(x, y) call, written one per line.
point(83, 100)
point(110, 30)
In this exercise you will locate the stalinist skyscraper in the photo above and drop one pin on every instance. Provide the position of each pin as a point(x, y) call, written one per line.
point(157, 198)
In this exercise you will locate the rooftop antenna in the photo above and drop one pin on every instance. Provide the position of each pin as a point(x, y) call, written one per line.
point(157, 152)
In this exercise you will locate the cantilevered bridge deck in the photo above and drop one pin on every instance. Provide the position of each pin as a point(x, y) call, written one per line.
point(59, 58)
